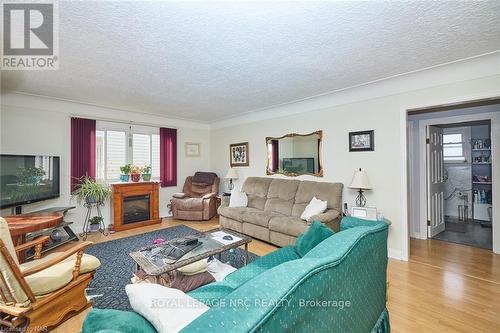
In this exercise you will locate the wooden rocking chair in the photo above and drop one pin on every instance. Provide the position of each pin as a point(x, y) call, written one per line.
point(41, 294)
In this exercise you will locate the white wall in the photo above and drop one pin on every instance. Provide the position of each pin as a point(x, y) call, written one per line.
point(380, 107)
point(33, 125)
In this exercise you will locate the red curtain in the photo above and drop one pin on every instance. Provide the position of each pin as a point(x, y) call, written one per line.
point(168, 157)
point(275, 155)
point(82, 149)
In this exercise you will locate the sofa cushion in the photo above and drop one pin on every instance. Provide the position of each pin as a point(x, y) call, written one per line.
point(316, 233)
point(262, 264)
point(288, 225)
point(258, 217)
point(58, 275)
point(237, 213)
point(281, 195)
point(107, 320)
point(330, 192)
point(256, 189)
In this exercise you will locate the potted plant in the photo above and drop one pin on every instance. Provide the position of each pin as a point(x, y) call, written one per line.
point(95, 223)
point(146, 173)
point(135, 173)
point(89, 191)
point(125, 172)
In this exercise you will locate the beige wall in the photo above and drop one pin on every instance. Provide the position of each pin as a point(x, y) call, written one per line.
point(384, 166)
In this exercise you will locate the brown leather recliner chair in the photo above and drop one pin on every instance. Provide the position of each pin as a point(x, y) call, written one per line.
point(198, 201)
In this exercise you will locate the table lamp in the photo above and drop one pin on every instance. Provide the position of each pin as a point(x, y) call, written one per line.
point(360, 182)
point(231, 174)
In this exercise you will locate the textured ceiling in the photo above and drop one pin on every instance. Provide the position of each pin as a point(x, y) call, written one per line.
point(207, 61)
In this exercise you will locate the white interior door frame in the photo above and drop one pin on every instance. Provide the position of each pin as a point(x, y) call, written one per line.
point(495, 132)
point(494, 118)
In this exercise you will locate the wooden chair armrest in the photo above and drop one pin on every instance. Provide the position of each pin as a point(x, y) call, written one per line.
point(66, 254)
point(37, 243)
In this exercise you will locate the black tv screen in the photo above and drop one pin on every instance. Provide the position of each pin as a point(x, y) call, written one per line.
point(26, 178)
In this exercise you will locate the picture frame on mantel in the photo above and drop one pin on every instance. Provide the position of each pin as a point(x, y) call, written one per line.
point(361, 141)
point(192, 149)
point(239, 154)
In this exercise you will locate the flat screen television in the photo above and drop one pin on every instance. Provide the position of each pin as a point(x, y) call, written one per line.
point(28, 178)
point(298, 164)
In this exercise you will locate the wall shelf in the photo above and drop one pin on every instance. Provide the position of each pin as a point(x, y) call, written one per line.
point(482, 183)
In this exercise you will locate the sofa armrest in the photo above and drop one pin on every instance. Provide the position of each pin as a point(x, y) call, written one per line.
point(180, 195)
point(349, 222)
point(209, 195)
point(331, 218)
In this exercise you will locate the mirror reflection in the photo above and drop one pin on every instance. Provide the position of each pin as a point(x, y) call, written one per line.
point(295, 154)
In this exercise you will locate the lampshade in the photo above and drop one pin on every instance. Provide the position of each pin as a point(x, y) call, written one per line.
point(360, 180)
point(232, 174)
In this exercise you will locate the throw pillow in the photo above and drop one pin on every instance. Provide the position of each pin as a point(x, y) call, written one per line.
point(314, 235)
point(314, 207)
point(238, 199)
point(199, 266)
point(167, 309)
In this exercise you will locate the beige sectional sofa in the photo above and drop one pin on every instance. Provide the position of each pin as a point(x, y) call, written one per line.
point(275, 205)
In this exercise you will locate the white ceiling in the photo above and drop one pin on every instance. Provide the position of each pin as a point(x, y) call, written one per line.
point(209, 61)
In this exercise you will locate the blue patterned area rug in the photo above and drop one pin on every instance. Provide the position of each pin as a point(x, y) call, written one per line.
point(117, 267)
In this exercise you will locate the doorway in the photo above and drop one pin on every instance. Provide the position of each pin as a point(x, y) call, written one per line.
point(451, 167)
point(465, 186)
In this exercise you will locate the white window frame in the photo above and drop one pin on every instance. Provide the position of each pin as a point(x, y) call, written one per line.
point(129, 131)
point(466, 138)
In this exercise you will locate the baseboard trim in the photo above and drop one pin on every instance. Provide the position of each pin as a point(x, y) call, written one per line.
point(394, 254)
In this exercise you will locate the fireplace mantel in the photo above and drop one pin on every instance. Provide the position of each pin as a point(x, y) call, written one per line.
point(121, 191)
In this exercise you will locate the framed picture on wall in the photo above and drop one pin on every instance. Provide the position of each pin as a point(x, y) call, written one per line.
point(238, 154)
point(192, 149)
point(361, 141)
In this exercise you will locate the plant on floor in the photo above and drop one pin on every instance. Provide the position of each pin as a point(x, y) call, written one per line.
point(146, 173)
point(95, 223)
point(89, 191)
point(125, 170)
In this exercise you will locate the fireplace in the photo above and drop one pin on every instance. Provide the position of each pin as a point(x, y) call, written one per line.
point(135, 209)
point(135, 205)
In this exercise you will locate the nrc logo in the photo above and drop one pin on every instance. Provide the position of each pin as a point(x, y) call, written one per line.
point(28, 29)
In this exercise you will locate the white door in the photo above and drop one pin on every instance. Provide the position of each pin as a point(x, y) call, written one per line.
point(435, 181)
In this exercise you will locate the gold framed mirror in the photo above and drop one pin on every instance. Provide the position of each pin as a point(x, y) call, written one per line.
point(295, 154)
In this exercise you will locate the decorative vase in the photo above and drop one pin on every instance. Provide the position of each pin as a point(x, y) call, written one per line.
point(124, 178)
point(146, 177)
point(94, 227)
point(135, 177)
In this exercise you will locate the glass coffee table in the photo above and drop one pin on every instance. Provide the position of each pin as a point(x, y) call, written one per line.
point(213, 242)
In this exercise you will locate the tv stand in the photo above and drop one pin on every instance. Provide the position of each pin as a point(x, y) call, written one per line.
point(64, 235)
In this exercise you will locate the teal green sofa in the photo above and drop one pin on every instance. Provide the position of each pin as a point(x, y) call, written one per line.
point(338, 286)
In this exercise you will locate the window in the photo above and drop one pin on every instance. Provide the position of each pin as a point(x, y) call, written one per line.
point(115, 148)
point(455, 144)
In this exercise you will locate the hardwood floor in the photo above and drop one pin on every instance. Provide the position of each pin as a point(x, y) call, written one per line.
point(445, 287)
